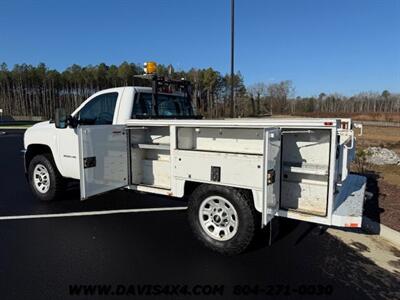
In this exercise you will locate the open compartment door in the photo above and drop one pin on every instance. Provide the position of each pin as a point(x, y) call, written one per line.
point(103, 159)
point(271, 174)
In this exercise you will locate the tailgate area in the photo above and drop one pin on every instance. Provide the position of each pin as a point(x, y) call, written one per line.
point(348, 208)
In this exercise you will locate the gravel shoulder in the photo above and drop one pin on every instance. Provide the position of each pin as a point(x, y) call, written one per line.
point(383, 180)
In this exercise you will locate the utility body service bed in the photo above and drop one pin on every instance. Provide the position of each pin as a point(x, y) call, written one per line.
point(294, 168)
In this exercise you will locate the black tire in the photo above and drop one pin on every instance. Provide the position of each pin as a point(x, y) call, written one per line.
point(57, 182)
point(247, 218)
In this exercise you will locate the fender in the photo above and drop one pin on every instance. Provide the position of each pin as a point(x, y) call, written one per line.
point(41, 138)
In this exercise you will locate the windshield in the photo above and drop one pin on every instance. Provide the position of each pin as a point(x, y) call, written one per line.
point(169, 106)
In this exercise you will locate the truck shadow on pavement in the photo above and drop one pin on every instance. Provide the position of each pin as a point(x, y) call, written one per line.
point(349, 265)
point(343, 261)
point(371, 207)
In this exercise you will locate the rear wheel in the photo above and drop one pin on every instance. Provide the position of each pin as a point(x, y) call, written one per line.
point(222, 218)
point(45, 181)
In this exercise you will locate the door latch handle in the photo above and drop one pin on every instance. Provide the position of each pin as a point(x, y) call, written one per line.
point(89, 162)
point(270, 176)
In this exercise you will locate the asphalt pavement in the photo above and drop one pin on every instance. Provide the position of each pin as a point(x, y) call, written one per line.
point(154, 254)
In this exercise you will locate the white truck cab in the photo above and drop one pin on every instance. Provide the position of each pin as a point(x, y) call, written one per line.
point(238, 174)
point(111, 107)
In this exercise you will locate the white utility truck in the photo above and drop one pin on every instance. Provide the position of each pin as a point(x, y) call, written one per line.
point(238, 173)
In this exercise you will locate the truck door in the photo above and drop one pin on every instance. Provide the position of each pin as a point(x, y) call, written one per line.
point(99, 110)
point(271, 180)
point(103, 159)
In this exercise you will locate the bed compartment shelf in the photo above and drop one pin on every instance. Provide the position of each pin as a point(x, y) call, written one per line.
point(311, 170)
point(152, 146)
point(150, 150)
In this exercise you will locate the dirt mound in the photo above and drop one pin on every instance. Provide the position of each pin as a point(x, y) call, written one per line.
point(382, 156)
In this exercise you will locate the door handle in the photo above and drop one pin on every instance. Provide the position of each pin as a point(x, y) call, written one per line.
point(270, 176)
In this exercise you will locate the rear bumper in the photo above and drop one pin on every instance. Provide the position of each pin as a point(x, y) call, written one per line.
point(349, 203)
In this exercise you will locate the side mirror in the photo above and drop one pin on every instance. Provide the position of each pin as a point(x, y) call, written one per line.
point(60, 118)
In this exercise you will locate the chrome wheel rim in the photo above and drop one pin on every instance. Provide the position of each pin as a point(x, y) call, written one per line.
point(218, 218)
point(41, 178)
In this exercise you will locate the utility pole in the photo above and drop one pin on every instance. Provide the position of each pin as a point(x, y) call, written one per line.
point(232, 112)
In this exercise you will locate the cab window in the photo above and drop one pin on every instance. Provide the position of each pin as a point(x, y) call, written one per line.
point(169, 106)
point(100, 110)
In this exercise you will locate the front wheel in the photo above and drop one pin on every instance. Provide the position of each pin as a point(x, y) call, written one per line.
point(45, 181)
point(222, 218)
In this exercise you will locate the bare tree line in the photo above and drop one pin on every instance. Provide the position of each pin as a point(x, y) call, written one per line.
point(279, 98)
point(366, 102)
point(27, 90)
